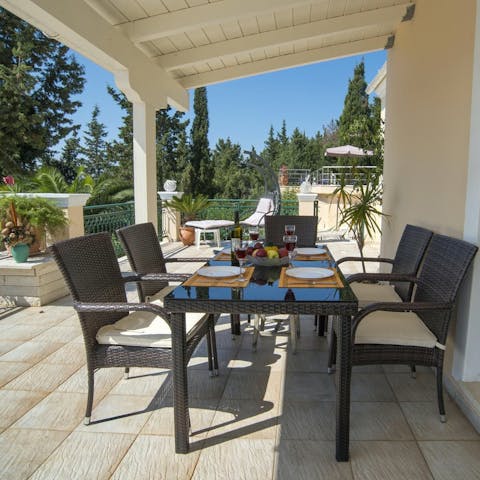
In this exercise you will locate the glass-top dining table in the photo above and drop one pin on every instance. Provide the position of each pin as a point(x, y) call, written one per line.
point(267, 294)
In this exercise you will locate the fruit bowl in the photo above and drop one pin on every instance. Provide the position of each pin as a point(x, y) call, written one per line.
point(267, 262)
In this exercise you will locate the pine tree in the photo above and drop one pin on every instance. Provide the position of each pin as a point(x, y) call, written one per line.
point(38, 79)
point(271, 151)
point(120, 151)
point(354, 121)
point(95, 146)
point(200, 156)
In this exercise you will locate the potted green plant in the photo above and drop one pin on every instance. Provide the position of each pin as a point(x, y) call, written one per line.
point(36, 215)
point(361, 210)
point(189, 208)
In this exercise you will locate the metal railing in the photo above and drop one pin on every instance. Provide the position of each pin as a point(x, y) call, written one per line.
point(330, 175)
point(110, 217)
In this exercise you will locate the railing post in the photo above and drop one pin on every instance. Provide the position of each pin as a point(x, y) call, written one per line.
point(171, 220)
point(306, 203)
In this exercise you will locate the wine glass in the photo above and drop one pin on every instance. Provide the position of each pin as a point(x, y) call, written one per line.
point(241, 253)
point(290, 242)
point(254, 234)
point(289, 229)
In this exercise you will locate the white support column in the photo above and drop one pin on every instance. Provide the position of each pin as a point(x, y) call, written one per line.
point(466, 360)
point(144, 163)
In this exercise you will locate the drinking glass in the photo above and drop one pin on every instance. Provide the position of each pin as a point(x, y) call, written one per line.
point(289, 229)
point(290, 242)
point(241, 253)
point(254, 234)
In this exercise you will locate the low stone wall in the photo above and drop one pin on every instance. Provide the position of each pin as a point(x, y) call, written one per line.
point(30, 284)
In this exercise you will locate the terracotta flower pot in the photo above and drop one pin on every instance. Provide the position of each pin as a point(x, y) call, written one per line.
point(187, 235)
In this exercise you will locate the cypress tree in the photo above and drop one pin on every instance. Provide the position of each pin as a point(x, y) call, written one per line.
point(95, 149)
point(200, 152)
point(355, 117)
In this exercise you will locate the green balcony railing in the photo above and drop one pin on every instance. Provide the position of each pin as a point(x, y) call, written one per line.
point(110, 217)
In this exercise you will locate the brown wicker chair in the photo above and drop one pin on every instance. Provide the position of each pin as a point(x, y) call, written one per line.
point(112, 336)
point(305, 229)
point(414, 333)
point(409, 254)
point(145, 255)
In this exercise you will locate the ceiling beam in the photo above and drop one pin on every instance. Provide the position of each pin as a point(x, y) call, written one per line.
point(78, 26)
point(282, 36)
point(194, 18)
point(285, 61)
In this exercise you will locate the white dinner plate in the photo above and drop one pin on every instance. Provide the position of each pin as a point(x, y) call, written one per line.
point(310, 251)
point(306, 272)
point(221, 271)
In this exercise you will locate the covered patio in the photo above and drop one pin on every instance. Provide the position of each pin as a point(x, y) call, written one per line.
point(158, 49)
point(279, 424)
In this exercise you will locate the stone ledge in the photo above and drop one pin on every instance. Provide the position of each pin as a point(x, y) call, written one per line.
point(30, 284)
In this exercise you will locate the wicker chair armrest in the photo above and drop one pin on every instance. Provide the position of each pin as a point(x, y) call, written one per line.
point(365, 259)
point(397, 307)
point(122, 307)
point(171, 277)
point(193, 259)
point(382, 277)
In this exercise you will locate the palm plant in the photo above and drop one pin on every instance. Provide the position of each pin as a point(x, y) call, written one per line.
point(362, 211)
point(188, 206)
point(51, 180)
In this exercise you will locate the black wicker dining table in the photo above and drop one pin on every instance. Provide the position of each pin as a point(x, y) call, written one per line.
point(265, 294)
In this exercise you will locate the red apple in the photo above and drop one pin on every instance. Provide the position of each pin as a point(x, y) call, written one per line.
point(261, 252)
point(282, 252)
point(258, 245)
point(249, 250)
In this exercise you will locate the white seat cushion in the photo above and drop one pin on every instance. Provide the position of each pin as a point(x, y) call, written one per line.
point(374, 292)
point(209, 224)
point(142, 329)
point(395, 328)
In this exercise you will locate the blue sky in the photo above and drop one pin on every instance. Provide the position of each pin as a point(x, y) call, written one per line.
point(305, 97)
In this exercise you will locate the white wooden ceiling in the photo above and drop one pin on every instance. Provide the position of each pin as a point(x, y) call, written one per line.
point(200, 42)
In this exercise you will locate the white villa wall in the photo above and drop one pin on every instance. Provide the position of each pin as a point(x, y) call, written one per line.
point(427, 134)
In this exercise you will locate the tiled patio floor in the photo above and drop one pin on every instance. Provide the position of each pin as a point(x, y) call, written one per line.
point(269, 415)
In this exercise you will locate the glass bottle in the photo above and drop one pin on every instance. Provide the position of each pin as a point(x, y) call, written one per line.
point(236, 238)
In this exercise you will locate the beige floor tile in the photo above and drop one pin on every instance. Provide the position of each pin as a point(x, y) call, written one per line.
point(70, 321)
point(32, 352)
point(23, 332)
point(306, 460)
point(57, 411)
point(245, 419)
point(307, 421)
point(142, 381)
point(227, 460)
point(119, 414)
point(42, 377)
point(388, 461)
point(449, 460)
point(260, 360)
point(253, 385)
point(59, 334)
point(11, 370)
point(308, 361)
point(408, 389)
point(105, 380)
point(378, 421)
point(23, 451)
point(71, 353)
point(86, 455)
point(199, 360)
point(161, 422)
point(15, 403)
point(309, 386)
point(201, 385)
point(425, 423)
point(405, 369)
point(6, 346)
point(370, 387)
point(153, 457)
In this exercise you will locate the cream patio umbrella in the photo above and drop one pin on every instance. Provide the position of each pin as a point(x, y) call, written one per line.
point(347, 151)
